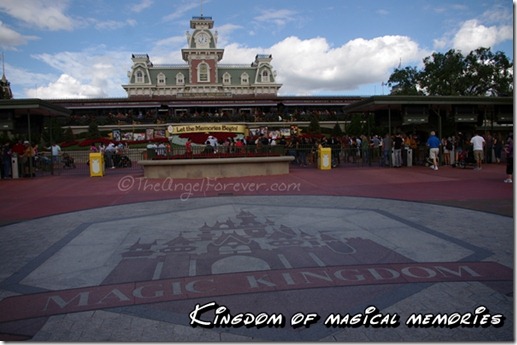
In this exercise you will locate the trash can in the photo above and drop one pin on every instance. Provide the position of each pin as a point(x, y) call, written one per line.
point(409, 157)
point(325, 158)
point(151, 153)
point(96, 164)
point(14, 166)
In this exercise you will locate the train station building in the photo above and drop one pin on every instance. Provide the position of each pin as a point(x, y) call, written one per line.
point(204, 90)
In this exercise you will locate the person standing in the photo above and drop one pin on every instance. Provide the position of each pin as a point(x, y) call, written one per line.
point(188, 148)
point(397, 150)
point(56, 153)
point(498, 148)
point(28, 159)
point(434, 149)
point(109, 153)
point(489, 148)
point(508, 149)
point(386, 150)
point(459, 143)
point(447, 150)
point(365, 150)
point(376, 148)
point(6, 161)
point(478, 142)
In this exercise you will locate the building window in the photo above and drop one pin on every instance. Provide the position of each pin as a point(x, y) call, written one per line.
point(180, 79)
point(139, 77)
point(265, 76)
point(203, 72)
point(245, 79)
point(161, 79)
point(227, 79)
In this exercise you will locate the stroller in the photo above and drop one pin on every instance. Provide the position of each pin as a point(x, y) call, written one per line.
point(428, 161)
point(465, 158)
point(122, 161)
point(68, 161)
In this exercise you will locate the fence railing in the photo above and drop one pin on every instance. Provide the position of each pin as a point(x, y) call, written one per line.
point(77, 162)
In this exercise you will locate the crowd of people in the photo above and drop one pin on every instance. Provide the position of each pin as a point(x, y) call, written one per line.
point(27, 157)
point(401, 149)
point(385, 151)
point(156, 117)
point(115, 156)
point(397, 150)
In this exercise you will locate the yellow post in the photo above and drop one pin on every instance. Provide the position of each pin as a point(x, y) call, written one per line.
point(324, 158)
point(96, 164)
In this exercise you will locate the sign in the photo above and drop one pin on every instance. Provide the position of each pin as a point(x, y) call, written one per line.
point(203, 128)
point(415, 119)
point(466, 118)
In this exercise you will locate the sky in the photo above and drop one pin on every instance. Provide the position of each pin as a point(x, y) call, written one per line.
point(58, 49)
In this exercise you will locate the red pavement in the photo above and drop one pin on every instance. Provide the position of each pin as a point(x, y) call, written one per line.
point(484, 190)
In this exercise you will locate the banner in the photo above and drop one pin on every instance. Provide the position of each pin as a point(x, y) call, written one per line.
point(203, 128)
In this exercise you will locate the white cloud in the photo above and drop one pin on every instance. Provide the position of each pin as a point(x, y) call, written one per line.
point(309, 66)
point(493, 27)
point(278, 18)
point(440, 43)
point(113, 24)
point(10, 39)
point(142, 5)
point(237, 54)
point(43, 14)
point(224, 33)
point(181, 10)
point(498, 14)
point(25, 78)
point(312, 65)
point(473, 35)
point(93, 73)
point(65, 87)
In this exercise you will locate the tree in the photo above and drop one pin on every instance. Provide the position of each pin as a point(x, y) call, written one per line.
point(355, 128)
point(314, 125)
point(93, 131)
point(480, 73)
point(404, 81)
point(337, 131)
point(69, 134)
point(53, 132)
point(488, 73)
point(443, 74)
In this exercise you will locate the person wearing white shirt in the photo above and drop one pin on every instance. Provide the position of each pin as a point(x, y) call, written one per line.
point(478, 142)
point(56, 152)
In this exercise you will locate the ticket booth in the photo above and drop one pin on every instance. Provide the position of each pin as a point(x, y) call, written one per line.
point(96, 164)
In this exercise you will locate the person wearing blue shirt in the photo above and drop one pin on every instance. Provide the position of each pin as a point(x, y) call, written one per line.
point(434, 149)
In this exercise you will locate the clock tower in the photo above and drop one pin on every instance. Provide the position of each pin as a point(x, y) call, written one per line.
point(203, 75)
point(202, 56)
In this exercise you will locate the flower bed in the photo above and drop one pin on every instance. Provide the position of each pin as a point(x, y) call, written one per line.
point(201, 138)
point(106, 141)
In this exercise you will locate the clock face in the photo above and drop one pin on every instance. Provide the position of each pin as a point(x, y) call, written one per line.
point(202, 38)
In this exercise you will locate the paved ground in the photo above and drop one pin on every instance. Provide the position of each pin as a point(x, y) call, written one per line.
point(351, 254)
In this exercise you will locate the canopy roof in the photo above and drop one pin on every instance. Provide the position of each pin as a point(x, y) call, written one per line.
point(33, 106)
point(396, 102)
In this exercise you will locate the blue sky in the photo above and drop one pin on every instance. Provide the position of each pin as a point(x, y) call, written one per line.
point(82, 49)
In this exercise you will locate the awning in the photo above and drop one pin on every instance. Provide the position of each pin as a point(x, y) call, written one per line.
point(396, 102)
point(33, 106)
